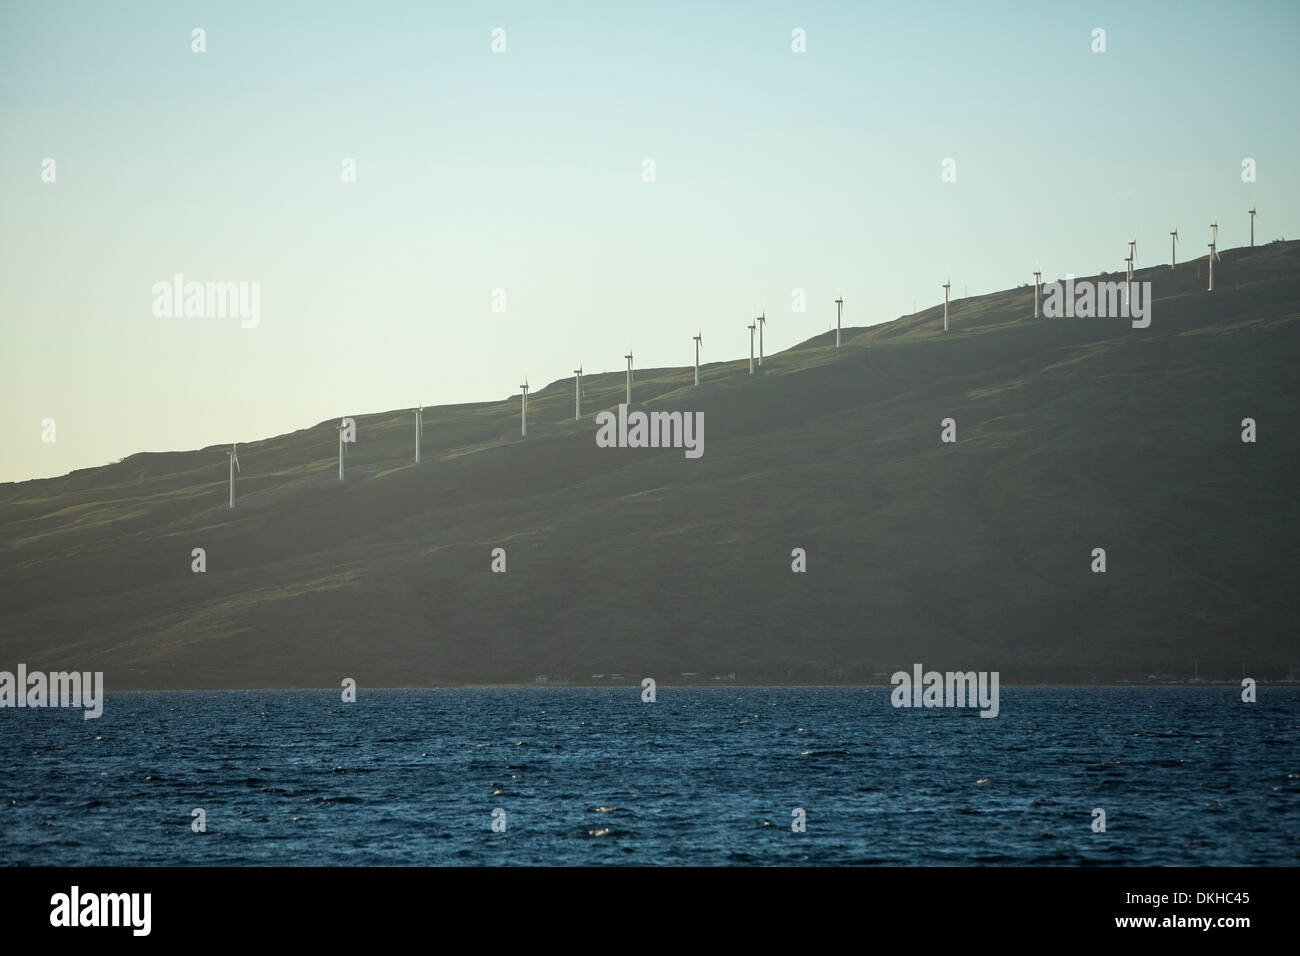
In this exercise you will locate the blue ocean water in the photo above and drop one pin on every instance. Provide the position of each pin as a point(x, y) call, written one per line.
point(1186, 775)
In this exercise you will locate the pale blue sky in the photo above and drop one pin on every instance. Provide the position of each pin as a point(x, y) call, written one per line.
point(522, 171)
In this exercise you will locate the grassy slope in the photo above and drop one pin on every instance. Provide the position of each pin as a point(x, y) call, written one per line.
point(1073, 434)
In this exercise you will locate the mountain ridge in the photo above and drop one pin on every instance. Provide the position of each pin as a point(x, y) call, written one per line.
point(974, 554)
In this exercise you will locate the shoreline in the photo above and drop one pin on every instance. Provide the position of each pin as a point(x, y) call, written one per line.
point(636, 685)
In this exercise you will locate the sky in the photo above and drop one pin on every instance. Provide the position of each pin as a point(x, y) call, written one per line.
point(525, 171)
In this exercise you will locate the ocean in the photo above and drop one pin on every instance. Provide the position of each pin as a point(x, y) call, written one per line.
point(1185, 775)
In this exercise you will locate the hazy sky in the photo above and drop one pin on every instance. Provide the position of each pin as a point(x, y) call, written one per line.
point(523, 171)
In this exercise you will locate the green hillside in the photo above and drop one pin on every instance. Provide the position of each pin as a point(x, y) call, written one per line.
point(1072, 434)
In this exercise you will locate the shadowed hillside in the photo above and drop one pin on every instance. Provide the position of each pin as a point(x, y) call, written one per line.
point(1072, 434)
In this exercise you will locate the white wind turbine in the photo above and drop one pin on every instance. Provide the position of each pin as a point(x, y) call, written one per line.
point(577, 393)
point(1173, 247)
point(419, 428)
point(234, 463)
point(628, 356)
point(523, 410)
point(1214, 254)
point(1252, 226)
point(839, 315)
point(946, 286)
point(762, 321)
point(343, 450)
point(751, 348)
point(699, 340)
point(1038, 279)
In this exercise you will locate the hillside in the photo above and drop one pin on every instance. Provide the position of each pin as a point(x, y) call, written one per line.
point(1071, 434)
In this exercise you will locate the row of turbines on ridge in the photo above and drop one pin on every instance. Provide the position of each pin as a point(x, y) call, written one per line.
point(759, 322)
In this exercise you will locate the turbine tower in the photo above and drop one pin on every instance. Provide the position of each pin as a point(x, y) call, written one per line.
point(698, 342)
point(1252, 227)
point(1214, 254)
point(234, 463)
point(1173, 242)
point(1128, 277)
point(751, 348)
point(839, 315)
point(523, 410)
point(762, 321)
point(419, 427)
point(1038, 276)
point(628, 356)
point(577, 393)
point(946, 286)
point(343, 450)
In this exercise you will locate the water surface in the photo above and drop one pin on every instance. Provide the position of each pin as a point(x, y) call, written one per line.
point(1186, 775)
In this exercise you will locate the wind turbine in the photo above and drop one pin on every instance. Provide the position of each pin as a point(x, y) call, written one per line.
point(751, 348)
point(839, 315)
point(577, 393)
point(628, 356)
point(946, 286)
point(1038, 275)
point(1173, 242)
point(419, 428)
point(523, 410)
point(1252, 227)
point(343, 450)
point(698, 342)
point(234, 463)
point(762, 321)
point(1128, 277)
point(1214, 254)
